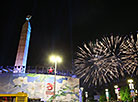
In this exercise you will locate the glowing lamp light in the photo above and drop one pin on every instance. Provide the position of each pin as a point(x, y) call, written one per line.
point(81, 88)
point(130, 80)
point(116, 86)
point(136, 91)
point(55, 59)
point(106, 90)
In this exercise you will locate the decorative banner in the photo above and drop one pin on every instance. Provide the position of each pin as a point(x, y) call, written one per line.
point(40, 86)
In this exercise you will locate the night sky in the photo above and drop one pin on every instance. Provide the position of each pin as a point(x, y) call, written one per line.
point(59, 26)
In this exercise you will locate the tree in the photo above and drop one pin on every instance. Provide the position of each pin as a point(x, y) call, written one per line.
point(125, 94)
point(102, 98)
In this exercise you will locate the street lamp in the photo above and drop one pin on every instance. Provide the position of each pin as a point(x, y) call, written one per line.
point(80, 94)
point(117, 92)
point(107, 94)
point(131, 86)
point(55, 59)
point(86, 95)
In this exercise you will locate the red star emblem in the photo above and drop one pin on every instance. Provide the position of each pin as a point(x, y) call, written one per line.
point(50, 70)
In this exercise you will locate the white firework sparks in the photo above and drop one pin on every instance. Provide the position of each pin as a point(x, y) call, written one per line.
point(130, 53)
point(101, 62)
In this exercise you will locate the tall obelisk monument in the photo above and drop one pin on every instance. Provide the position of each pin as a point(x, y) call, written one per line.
point(21, 57)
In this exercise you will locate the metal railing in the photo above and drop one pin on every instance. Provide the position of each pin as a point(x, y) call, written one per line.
point(36, 69)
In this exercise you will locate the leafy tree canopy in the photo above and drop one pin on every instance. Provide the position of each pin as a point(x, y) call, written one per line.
point(125, 94)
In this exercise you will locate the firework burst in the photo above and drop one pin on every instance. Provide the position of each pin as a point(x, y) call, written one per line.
point(130, 53)
point(100, 62)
